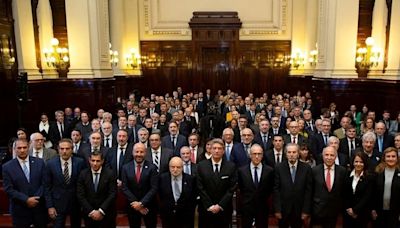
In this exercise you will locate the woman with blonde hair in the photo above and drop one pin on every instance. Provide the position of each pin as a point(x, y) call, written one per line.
point(386, 206)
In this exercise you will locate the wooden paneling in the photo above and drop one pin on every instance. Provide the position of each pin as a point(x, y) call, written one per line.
point(59, 22)
point(366, 8)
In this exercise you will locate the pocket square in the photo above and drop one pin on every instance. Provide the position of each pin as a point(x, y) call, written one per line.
point(224, 177)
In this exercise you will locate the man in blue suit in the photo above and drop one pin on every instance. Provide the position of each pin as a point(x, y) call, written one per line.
point(241, 151)
point(174, 140)
point(62, 174)
point(23, 183)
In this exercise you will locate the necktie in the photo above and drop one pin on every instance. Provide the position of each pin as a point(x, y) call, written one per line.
point(37, 154)
point(246, 147)
point(76, 148)
point(294, 140)
point(26, 170)
point(275, 131)
point(192, 156)
point(108, 142)
point(351, 147)
point(265, 141)
point(121, 160)
point(138, 173)
point(66, 173)
point(278, 158)
point(173, 142)
point(380, 143)
point(255, 176)
point(216, 171)
point(156, 160)
point(228, 152)
point(293, 172)
point(61, 130)
point(96, 181)
point(311, 127)
point(186, 168)
point(328, 179)
point(326, 139)
point(177, 192)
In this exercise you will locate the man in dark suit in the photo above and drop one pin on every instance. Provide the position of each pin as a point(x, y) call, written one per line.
point(62, 174)
point(58, 129)
point(76, 138)
point(292, 190)
point(227, 137)
point(133, 128)
point(96, 191)
point(328, 188)
point(174, 140)
point(195, 148)
point(264, 138)
point(318, 141)
point(275, 128)
point(216, 182)
point(177, 194)
point(94, 145)
point(274, 156)
point(349, 143)
point(294, 136)
point(158, 155)
point(119, 155)
point(241, 151)
point(255, 183)
point(109, 140)
point(188, 166)
point(383, 139)
point(23, 183)
point(368, 147)
point(38, 150)
point(139, 185)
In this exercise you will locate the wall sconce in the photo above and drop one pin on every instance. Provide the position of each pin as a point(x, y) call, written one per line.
point(133, 59)
point(56, 56)
point(313, 59)
point(368, 56)
point(298, 58)
point(113, 57)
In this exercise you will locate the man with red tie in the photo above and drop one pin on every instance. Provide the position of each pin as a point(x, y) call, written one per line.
point(140, 180)
point(328, 187)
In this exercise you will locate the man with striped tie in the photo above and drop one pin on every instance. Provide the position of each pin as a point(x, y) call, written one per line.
point(157, 154)
point(62, 174)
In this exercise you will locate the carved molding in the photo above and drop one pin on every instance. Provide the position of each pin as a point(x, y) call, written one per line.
point(156, 24)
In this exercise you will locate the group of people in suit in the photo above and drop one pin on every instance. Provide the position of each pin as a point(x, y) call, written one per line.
point(170, 174)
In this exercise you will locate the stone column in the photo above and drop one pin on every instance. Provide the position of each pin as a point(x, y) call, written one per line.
point(393, 68)
point(117, 26)
point(24, 38)
point(132, 36)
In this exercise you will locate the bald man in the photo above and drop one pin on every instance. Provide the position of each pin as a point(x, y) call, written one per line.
point(177, 193)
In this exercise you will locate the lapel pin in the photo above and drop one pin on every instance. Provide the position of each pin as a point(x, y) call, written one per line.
point(145, 166)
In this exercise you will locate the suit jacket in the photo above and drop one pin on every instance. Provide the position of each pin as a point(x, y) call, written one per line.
point(166, 155)
point(112, 142)
point(258, 138)
point(216, 189)
point(360, 200)
point(327, 204)
point(58, 194)
point(54, 133)
point(281, 131)
point(86, 151)
point(181, 141)
point(300, 139)
point(18, 189)
point(144, 191)
point(104, 198)
point(344, 146)
point(111, 159)
point(292, 197)
point(187, 125)
point(394, 127)
point(394, 194)
point(252, 198)
point(133, 134)
point(184, 207)
point(47, 154)
point(317, 144)
point(239, 155)
point(269, 158)
point(388, 141)
point(339, 133)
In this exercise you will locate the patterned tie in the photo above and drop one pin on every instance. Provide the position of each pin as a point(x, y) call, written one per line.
point(255, 176)
point(186, 168)
point(96, 181)
point(328, 179)
point(138, 173)
point(26, 170)
point(66, 173)
point(227, 152)
point(156, 160)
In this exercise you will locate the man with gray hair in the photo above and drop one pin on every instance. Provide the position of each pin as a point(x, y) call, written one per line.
point(328, 187)
point(383, 139)
point(143, 135)
point(341, 159)
point(368, 147)
point(37, 148)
